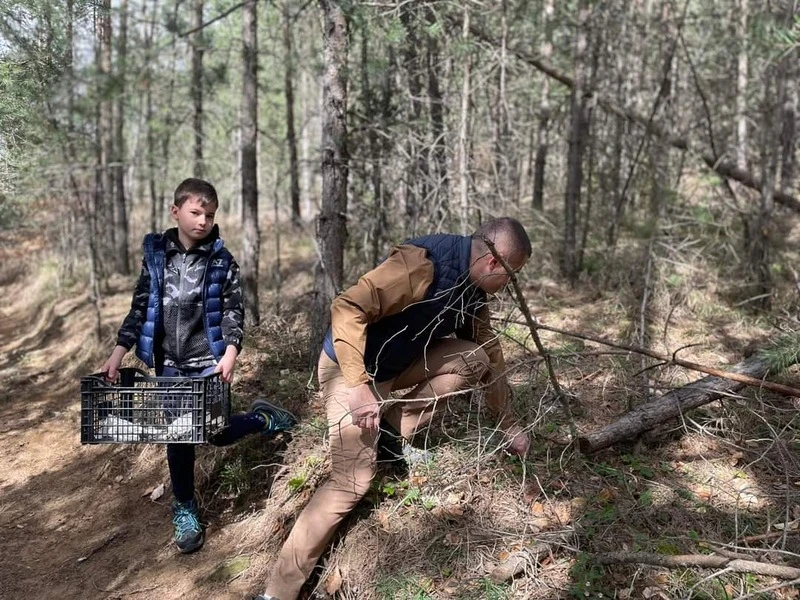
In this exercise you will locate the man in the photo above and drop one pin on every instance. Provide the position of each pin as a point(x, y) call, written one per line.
point(390, 332)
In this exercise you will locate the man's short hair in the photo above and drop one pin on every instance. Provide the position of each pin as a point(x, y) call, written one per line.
point(509, 229)
point(195, 188)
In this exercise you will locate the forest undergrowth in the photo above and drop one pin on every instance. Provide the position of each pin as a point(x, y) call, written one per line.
point(469, 522)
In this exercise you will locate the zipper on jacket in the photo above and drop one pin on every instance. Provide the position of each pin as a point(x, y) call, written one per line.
point(179, 354)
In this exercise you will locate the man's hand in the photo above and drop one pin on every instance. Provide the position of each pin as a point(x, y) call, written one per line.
point(111, 366)
point(227, 364)
point(364, 407)
point(518, 442)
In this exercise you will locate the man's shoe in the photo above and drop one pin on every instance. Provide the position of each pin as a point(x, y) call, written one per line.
point(390, 445)
point(277, 419)
point(188, 531)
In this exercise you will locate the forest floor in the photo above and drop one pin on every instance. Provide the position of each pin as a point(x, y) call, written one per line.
point(78, 522)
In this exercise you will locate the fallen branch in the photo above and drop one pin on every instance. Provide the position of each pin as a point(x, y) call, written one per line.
point(704, 561)
point(670, 405)
point(673, 360)
point(532, 326)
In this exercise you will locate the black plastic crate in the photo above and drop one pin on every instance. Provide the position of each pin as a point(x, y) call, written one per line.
point(139, 408)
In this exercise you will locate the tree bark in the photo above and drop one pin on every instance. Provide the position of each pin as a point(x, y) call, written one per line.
point(741, 84)
point(440, 197)
point(703, 561)
point(291, 137)
point(670, 405)
point(417, 178)
point(106, 130)
point(543, 134)
point(197, 43)
point(251, 240)
point(578, 135)
point(121, 262)
point(463, 131)
point(331, 223)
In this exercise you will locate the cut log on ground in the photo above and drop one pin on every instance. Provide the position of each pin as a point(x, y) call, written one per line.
point(670, 405)
point(703, 561)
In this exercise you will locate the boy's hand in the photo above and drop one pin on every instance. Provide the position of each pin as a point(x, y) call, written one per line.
point(364, 408)
point(111, 366)
point(227, 364)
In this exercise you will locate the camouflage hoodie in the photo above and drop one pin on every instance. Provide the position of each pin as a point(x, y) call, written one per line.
point(184, 341)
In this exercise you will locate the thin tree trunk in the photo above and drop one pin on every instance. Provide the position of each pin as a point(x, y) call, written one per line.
point(504, 161)
point(441, 192)
point(789, 118)
point(543, 133)
point(332, 223)
point(417, 179)
point(378, 224)
point(122, 264)
point(741, 84)
point(106, 128)
point(759, 224)
point(197, 43)
point(251, 240)
point(577, 145)
point(291, 138)
point(463, 131)
point(155, 200)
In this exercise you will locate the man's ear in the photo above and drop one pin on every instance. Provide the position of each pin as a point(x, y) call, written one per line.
point(173, 211)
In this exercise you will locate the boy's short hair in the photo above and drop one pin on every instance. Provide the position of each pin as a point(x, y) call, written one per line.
point(195, 188)
point(508, 228)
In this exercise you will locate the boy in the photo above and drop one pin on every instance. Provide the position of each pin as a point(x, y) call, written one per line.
point(392, 331)
point(186, 319)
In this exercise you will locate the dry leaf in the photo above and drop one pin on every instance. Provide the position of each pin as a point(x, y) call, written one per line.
point(157, 492)
point(452, 538)
point(333, 582)
point(607, 494)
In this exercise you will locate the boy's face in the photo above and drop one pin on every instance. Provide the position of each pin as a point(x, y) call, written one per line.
point(194, 219)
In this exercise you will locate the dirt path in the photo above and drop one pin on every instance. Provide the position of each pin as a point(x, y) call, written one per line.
point(76, 522)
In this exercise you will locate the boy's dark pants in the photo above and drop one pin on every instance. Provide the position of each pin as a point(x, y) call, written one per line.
point(180, 457)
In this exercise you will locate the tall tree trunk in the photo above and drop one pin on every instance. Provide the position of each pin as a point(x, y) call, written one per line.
point(577, 144)
point(789, 118)
point(543, 134)
point(251, 240)
point(198, 48)
point(332, 223)
point(504, 153)
point(155, 199)
point(417, 178)
point(741, 84)
point(105, 128)
point(376, 147)
point(122, 264)
point(441, 192)
point(759, 224)
point(291, 138)
point(463, 131)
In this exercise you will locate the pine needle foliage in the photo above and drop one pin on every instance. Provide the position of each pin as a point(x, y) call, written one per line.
point(784, 352)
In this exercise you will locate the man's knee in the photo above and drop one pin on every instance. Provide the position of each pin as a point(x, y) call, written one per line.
point(473, 365)
point(354, 485)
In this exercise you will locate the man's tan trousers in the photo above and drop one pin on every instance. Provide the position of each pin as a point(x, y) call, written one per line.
point(448, 367)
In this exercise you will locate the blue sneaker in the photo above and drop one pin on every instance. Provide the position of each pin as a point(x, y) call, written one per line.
point(188, 531)
point(277, 419)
